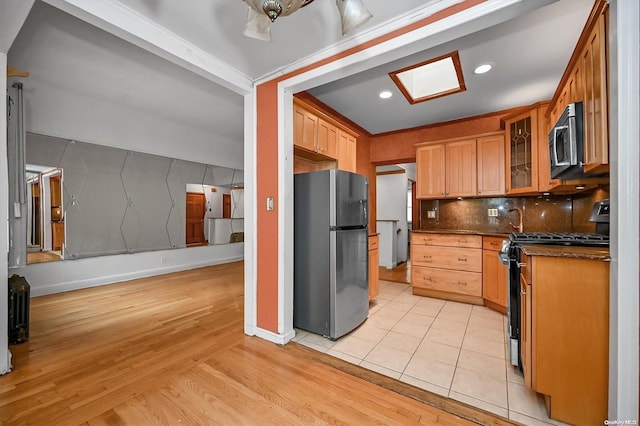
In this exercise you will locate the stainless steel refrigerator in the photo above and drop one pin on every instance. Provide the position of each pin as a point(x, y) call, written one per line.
point(331, 283)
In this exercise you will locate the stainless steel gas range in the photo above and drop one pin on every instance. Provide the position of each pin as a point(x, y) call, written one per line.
point(510, 256)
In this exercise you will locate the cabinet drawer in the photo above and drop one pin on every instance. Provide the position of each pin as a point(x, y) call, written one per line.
point(463, 259)
point(492, 243)
point(459, 282)
point(373, 242)
point(473, 241)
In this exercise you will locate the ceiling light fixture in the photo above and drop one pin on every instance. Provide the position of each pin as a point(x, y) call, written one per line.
point(483, 68)
point(385, 94)
point(263, 12)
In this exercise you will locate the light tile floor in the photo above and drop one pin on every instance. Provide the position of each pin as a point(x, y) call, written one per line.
point(453, 349)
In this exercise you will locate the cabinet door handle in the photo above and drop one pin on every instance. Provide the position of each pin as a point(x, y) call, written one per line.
point(462, 241)
point(462, 283)
point(462, 259)
point(522, 292)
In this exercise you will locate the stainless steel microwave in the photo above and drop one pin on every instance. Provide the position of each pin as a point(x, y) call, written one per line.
point(566, 140)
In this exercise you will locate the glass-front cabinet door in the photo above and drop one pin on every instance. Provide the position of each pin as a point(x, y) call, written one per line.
point(522, 152)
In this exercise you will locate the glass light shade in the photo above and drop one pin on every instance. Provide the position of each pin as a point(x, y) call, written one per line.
point(258, 26)
point(275, 8)
point(352, 13)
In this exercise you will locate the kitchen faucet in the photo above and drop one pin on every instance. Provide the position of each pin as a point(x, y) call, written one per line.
point(519, 226)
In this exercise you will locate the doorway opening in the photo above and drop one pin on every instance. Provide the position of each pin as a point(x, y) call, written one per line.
point(195, 219)
point(45, 214)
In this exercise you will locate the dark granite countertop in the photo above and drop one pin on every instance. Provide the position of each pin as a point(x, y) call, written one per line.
point(460, 232)
point(575, 252)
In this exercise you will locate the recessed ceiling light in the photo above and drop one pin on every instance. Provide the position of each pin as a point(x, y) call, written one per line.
point(385, 94)
point(483, 68)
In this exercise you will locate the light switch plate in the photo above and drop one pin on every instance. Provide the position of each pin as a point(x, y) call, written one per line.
point(269, 203)
point(492, 212)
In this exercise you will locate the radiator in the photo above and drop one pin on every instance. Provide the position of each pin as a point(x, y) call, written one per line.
point(19, 294)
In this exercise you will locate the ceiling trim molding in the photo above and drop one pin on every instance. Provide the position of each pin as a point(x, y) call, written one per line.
point(121, 21)
point(474, 18)
point(397, 23)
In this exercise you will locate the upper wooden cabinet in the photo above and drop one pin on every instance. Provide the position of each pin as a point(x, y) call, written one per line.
point(461, 167)
point(305, 128)
point(346, 151)
point(585, 80)
point(491, 166)
point(430, 171)
point(523, 139)
point(594, 72)
point(327, 142)
point(320, 140)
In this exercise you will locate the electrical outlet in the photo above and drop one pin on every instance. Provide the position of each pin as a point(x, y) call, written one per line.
point(492, 212)
point(431, 214)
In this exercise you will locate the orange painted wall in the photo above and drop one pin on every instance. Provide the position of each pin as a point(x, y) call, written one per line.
point(398, 147)
point(267, 177)
point(267, 170)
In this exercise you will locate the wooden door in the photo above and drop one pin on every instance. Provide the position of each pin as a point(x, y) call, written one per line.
point(195, 218)
point(430, 171)
point(56, 191)
point(226, 206)
point(35, 214)
point(491, 169)
point(57, 235)
point(461, 169)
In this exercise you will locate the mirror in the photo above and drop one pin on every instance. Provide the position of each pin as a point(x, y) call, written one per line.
point(112, 201)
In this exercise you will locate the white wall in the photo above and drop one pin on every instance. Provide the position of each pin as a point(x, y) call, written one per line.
point(55, 277)
point(5, 355)
point(391, 192)
point(83, 108)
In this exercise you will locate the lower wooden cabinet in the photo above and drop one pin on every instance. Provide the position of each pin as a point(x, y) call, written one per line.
point(494, 275)
point(447, 266)
point(374, 271)
point(565, 335)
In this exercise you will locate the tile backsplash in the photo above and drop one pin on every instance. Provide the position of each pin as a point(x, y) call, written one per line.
point(554, 213)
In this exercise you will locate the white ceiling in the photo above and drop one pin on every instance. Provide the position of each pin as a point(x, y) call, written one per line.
point(530, 53)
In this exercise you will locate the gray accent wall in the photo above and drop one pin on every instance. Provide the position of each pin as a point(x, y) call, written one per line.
point(118, 201)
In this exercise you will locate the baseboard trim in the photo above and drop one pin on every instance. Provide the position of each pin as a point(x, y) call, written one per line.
point(279, 339)
point(43, 290)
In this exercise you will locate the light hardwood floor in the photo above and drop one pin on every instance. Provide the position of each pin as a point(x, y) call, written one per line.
point(400, 274)
point(171, 350)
